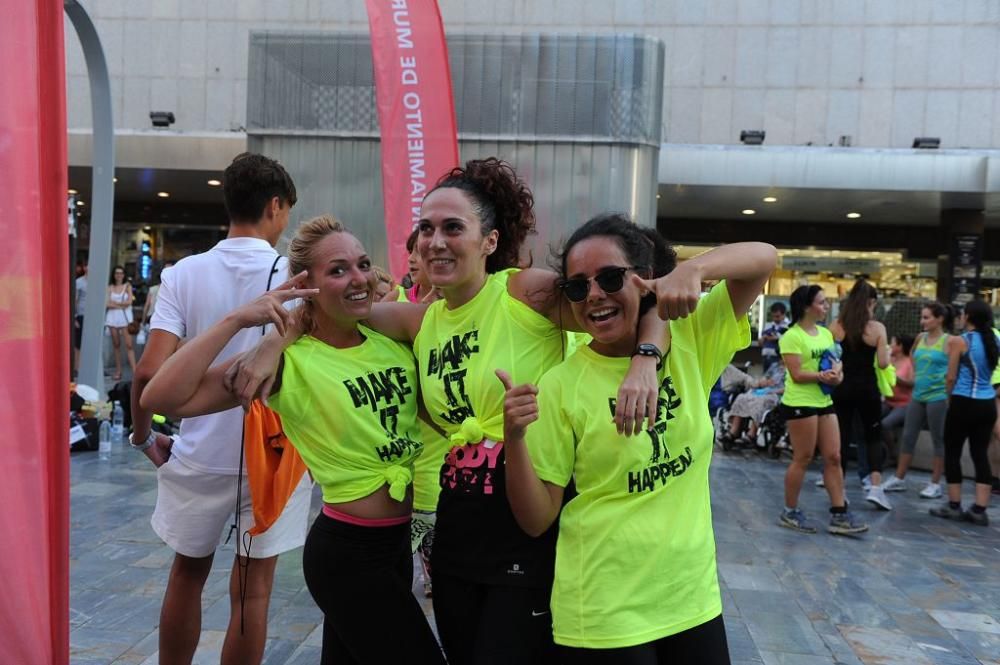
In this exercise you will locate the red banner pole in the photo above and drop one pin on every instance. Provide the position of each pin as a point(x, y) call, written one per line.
point(416, 112)
point(34, 337)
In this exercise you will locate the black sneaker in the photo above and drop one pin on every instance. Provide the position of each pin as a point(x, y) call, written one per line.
point(979, 519)
point(947, 512)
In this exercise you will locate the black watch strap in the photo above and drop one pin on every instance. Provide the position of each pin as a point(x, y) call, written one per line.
point(650, 350)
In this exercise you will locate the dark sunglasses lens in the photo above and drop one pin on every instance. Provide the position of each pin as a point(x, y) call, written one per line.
point(611, 281)
point(576, 289)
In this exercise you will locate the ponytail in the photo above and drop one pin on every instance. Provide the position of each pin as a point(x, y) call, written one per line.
point(980, 316)
point(802, 299)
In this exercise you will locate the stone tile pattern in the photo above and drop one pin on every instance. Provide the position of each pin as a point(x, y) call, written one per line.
point(914, 591)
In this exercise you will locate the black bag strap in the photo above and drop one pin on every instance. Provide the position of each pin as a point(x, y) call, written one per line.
point(246, 538)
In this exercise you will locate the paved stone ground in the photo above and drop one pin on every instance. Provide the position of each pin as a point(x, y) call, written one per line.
point(915, 590)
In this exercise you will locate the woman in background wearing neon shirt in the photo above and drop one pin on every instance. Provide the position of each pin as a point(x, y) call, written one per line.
point(348, 398)
point(636, 578)
point(809, 412)
point(929, 400)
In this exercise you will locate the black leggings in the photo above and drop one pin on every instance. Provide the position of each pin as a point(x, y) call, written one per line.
point(701, 645)
point(360, 577)
point(970, 419)
point(869, 409)
point(485, 624)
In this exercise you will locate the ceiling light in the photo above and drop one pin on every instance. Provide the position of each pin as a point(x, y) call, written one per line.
point(80, 203)
point(163, 195)
point(749, 211)
point(72, 191)
point(657, 196)
point(147, 228)
point(114, 179)
point(215, 183)
point(853, 215)
point(769, 199)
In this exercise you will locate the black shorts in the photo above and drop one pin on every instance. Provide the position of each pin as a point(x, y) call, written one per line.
point(78, 332)
point(800, 412)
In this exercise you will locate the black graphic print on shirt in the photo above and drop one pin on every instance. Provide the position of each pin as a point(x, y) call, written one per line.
point(447, 364)
point(384, 391)
point(661, 465)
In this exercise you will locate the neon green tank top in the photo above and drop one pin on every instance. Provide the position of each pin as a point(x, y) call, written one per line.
point(459, 350)
point(352, 414)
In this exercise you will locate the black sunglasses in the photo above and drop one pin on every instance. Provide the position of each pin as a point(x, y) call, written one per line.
point(611, 280)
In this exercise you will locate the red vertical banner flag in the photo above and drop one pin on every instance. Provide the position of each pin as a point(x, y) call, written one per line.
point(34, 337)
point(416, 112)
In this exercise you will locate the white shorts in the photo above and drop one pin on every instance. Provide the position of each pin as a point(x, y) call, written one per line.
point(194, 511)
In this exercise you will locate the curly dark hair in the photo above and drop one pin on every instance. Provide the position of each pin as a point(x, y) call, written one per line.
point(502, 201)
point(642, 246)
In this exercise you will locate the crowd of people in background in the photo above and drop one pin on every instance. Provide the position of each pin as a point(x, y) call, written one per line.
point(540, 439)
point(849, 383)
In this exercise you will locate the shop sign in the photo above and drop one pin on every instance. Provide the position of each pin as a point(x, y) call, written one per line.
point(838, 264)
point(966, 264)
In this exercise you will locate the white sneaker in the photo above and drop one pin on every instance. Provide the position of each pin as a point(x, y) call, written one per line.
point(820, 482)
point(866, 483)
point(894, 484)
point(932, 491)
point(876, 497)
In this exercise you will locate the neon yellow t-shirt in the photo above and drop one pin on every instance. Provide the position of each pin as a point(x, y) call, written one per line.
point(427, 468)
point(352, 414)
point(635, 559)
point(458, 351)
point(575, 340)
point(811, 349)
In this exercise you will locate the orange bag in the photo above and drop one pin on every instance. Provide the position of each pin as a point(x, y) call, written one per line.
point(273, 466)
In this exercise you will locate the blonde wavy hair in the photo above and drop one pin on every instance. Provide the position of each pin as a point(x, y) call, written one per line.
point(301, 255)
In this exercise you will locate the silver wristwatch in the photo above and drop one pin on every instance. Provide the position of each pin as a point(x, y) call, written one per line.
point(145, 445)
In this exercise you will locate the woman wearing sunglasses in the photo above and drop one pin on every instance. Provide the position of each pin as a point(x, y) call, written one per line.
point(491, 580)
point(635, 577)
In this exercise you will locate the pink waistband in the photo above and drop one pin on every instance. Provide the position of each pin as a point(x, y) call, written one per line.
point(335, 514)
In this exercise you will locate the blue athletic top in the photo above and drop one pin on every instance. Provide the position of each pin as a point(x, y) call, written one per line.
point(974, 370)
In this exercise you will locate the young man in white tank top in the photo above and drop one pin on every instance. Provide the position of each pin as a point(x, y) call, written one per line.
point(196, 474)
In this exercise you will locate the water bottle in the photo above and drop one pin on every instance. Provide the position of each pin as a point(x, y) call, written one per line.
point(104, 441)
point(117, 425)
